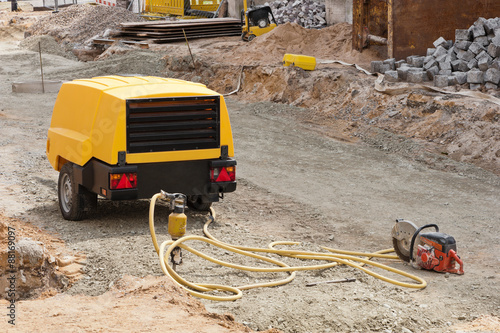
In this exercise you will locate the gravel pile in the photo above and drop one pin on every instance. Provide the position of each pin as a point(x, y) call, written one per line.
point(80, 23)
point(47, 44)
point(473, 60)
point(308, 13)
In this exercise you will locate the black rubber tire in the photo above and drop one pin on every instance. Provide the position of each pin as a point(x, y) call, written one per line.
point(251, 37)
point(197, 202)
point(71, 200)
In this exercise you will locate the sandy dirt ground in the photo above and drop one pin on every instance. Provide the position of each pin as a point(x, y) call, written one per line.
point(323, 159)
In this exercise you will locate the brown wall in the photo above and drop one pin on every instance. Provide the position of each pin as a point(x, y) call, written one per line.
point(371, 14)
point(416, 24)
point(411, 26)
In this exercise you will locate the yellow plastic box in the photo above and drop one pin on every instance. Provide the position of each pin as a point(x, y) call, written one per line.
point(305, 62)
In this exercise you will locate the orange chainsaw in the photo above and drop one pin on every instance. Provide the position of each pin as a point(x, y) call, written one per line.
point(431, 250)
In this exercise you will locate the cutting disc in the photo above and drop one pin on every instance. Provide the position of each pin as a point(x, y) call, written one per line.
point(402, 232)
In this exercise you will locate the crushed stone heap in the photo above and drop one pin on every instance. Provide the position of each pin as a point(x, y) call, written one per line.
point(80, 23)
point(308, 13)
point(473, 60)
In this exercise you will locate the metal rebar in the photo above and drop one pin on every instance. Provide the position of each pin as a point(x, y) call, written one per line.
point(332, 281)
point(192, 58)
point(377, 39)
point(41, 65)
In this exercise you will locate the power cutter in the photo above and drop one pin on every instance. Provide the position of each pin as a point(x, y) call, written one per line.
point(431, 250)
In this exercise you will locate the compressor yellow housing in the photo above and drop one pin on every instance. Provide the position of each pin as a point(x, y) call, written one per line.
point(128, 137)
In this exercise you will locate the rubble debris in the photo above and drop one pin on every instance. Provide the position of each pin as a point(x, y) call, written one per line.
point(473, 59)
point(309, 14)
point(36, 267)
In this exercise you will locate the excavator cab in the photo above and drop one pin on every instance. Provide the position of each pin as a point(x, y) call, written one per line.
point(256, 21)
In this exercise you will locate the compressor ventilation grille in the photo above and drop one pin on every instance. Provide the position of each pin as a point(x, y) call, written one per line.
point(169, 124)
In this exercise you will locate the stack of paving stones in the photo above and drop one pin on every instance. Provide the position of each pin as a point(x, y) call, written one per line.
point(308, 13)
point(472, 61)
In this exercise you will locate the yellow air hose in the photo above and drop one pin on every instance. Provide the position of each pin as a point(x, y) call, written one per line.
point(334, 258)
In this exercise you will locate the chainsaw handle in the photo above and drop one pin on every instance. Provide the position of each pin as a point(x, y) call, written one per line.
point(416, 234)
point(455, 256)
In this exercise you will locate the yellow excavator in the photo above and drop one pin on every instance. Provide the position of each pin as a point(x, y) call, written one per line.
point(256, 21)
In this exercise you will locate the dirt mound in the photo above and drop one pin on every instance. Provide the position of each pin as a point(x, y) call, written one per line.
point(12, 25)
point(148, 304)
point(343, 100)
point(41, 267)
point(79, 23)
point(142, 62)
point(8, 33)
point(484, 323)
point(333, 42)
point(48, 45)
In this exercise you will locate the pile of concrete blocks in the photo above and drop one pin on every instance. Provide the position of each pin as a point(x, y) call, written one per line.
point(308, 13)
point(473, 60)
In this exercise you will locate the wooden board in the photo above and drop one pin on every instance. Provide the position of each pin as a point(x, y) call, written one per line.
point(172, 31)
point(104, 41)
point(183, 22)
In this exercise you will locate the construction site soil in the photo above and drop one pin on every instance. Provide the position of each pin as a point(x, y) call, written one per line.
point(324, 158)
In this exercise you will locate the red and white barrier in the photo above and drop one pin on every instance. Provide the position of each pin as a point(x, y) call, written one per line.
point(106, 2)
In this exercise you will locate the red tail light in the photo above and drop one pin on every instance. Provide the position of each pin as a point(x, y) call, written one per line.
point(122, 180)
point(223, 174)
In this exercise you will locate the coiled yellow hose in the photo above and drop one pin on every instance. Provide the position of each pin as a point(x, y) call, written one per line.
point(334, 258)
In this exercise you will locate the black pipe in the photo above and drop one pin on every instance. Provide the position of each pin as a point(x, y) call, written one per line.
point(13, 5)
